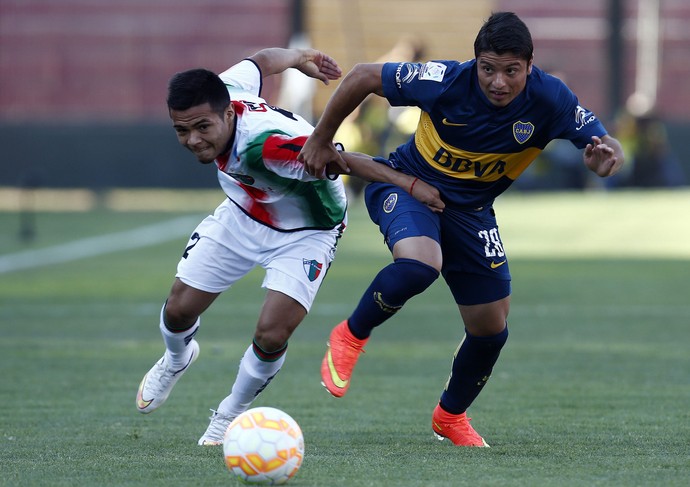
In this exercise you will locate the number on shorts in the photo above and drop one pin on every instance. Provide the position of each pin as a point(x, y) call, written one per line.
point(492, 243)
point(195, 240)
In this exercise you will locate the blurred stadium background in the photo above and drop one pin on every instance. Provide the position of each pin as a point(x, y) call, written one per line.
point(593, 389)
point(82, 83)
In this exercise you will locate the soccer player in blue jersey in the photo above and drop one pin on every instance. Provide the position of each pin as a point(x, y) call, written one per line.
point(483, 122)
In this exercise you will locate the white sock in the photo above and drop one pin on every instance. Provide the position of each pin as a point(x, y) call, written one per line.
point(177, 349)
point(252, 377)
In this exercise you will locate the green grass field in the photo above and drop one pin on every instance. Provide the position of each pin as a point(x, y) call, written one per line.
point(593, 387)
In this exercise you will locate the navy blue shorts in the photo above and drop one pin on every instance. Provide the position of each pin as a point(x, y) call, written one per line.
point(475, 265)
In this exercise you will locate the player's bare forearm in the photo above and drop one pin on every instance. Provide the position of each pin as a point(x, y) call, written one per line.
point(311, 62)
point(363, 166)
point(363, 80)
point(604, 156)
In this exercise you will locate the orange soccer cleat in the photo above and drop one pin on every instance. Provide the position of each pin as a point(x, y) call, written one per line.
point(455, 427)
point(340, 359)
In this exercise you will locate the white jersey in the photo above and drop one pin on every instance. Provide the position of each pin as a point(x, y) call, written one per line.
point(261, 173)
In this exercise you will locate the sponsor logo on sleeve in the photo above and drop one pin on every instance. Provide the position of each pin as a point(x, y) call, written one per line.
point(432, 71)
point(405, 73)
point(583, 117)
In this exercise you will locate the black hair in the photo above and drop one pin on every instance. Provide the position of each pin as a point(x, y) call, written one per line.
point(195, 87)
point(503, 33)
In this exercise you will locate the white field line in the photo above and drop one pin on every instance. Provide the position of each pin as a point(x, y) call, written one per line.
point(100, 245)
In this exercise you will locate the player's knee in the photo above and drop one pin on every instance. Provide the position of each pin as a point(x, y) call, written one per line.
point(488, 328)
point(502, 337)
point(271, 340)
point(415, 275)
point(402, 280)
point(489, 343)
point(176, 317)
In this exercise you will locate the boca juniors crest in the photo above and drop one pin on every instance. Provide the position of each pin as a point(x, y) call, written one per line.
point(522, 131)
point(390, 202)
point(312, 268)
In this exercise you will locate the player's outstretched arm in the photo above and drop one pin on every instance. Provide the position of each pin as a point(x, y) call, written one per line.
point(604, 156)
point(318, 151)
point(311, 62)
point(364, 167)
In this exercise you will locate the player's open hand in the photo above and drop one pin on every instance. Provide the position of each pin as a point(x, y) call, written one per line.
point(320, 66)
point(317, 154)
point(601, 158)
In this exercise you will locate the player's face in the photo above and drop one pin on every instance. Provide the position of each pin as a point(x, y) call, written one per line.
point(502, 77)
point(203, 131)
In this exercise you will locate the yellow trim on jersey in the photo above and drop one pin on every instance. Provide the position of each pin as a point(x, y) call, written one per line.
point(461, 164)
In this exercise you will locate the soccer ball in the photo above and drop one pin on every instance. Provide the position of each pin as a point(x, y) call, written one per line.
point(263, 446)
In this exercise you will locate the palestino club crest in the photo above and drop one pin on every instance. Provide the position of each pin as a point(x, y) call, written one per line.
point(312, 268)
point(522, 131)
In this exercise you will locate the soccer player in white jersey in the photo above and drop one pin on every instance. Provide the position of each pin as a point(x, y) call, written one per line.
point(275, 216)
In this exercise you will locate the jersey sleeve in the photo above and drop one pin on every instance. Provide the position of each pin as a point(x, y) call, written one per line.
point(416, 84)
point(244, 76)
point(575, 122)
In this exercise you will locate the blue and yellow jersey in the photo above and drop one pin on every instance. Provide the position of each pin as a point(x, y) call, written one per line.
point(468, 148)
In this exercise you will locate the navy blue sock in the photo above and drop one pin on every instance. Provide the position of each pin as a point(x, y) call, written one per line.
point(388, 292)
point(472, 366)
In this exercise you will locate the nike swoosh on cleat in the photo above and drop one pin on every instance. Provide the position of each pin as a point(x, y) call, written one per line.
point(141, 402)
point(334, 373)
point(211, 443)
point(495, 265)
point(452, 124)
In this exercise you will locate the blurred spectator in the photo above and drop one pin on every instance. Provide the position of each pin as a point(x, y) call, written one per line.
point(375, 127)
point(652, 161)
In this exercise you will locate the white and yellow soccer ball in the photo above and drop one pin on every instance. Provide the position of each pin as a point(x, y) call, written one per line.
point(263, 446)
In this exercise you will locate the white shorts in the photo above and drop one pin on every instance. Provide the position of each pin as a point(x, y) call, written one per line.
point(227, 245)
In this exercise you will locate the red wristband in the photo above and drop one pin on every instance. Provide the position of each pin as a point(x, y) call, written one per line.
point(412, 185)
